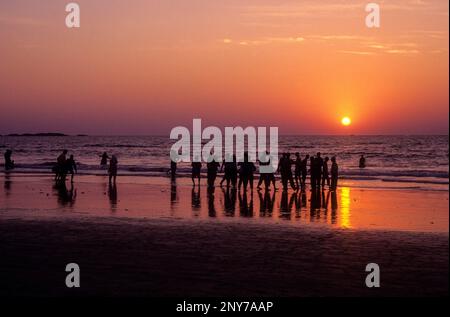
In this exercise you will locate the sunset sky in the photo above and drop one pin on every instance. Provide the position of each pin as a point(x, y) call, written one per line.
point(144, 66)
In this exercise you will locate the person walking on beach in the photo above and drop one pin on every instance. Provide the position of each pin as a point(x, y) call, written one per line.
point(334, 173)
point(304, 169)
point(196, 170)
point(113, 163)
point(325, 173)
point(71, 167)
point(211, 170)
point(9, 163)
point(104, 160)
point(362, 162)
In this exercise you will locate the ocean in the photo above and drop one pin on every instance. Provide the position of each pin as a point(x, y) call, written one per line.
point(419, 161)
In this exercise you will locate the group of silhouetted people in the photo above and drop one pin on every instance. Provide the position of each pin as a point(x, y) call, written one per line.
point(64, 166)
point(242, 174)
point(318, 170)
point(67, 166)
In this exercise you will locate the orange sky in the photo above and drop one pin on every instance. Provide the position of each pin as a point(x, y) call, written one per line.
point(143, 67)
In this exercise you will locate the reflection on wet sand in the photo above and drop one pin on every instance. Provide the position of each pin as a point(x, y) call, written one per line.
point(312, 206)
point(65, 197)
point(112, 195)
point(7, 184)
point(173, 195)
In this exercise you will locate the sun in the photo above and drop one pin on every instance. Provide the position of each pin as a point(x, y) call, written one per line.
point(346, 121)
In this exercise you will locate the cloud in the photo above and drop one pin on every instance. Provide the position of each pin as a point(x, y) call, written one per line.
point(357, 52)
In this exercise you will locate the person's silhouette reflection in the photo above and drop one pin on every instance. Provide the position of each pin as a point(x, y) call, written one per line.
point(66, 197)
point(8, 183)
point(334, 207)
point(230, 200)
point(304, 199)
point(173, 193)
point(286, 204)
point(112, 194)
point(195, 199)
point(245, 206)
point(211, 204)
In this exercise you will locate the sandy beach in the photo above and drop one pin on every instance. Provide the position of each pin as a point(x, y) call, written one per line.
point(149, 239)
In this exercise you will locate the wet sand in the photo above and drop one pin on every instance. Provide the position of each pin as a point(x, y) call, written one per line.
point(150, 241)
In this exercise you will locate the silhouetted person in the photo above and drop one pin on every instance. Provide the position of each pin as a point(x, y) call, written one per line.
point(173, 170)
point(334, 174)
point(325, 173)
point(230, 168)
point(212, 168)
point(196, 171)
point(298, 169)
point(312, 172)
point(60, 168)
point(319, 166)
point(285, 169)
point(9, 163)
point(362, 162)
point(304, 171)
point(247, 172)
point(112, 171)
point(267, 177)
point(104, 160)
point(71, 167)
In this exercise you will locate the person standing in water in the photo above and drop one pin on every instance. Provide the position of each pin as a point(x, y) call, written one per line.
point(334, 174)
point(196, 171)
point(104, 160)
point(325, 173)
point(284, 167)
point(247, 171)
point(304, 171)
point(319, 167)
point(71, 167)
point(312, 172)
point(264, 163)
point(229, 166)
point(113, 163)
point(362, 162)
point(9, 163)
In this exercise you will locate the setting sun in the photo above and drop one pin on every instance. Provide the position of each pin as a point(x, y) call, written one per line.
point(346, 121)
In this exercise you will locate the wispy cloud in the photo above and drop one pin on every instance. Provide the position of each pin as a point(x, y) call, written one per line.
point(357, 52)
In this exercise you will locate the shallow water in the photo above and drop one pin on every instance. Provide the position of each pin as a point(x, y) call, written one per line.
point(410, 159)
